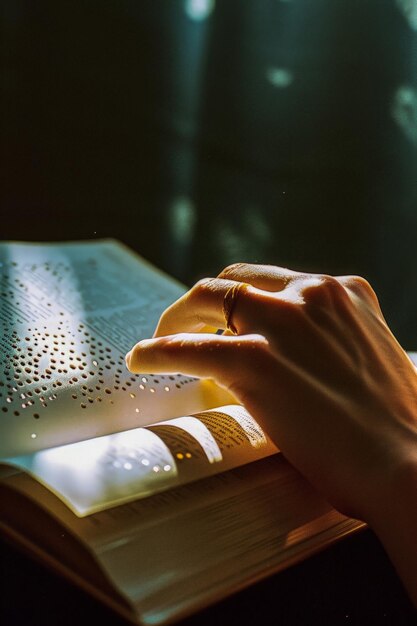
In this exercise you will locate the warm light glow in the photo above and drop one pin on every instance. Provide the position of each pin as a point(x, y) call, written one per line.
point(88, 475)
point(201, 434)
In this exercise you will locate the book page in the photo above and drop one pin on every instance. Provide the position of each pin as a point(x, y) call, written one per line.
point(103, 472)
point(181, 549)
point(68, 314)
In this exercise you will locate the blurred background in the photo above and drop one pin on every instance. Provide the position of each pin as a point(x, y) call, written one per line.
point(202, 133)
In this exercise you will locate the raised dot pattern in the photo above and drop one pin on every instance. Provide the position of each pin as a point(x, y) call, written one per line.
point(39, 362)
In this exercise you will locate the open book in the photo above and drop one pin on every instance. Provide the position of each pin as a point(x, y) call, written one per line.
point(157, 494)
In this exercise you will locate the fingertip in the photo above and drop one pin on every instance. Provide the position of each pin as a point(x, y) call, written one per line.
point(128, 359)
point(134, 358)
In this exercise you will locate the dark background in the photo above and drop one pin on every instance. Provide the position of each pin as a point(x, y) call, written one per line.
point(203, 133)
point(350, 584)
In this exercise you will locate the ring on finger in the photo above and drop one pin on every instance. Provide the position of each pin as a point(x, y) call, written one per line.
point(229, 303)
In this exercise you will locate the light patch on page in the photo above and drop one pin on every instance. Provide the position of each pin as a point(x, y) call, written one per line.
point(106, 471)
point(251, 427)
point(200, 432)
point(245, 424)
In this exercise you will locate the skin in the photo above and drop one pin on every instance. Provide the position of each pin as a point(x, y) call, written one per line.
point(316, 364)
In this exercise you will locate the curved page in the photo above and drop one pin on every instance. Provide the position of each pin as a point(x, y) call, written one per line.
point(100, 473)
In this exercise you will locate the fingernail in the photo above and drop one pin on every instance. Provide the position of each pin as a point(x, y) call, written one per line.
point(127, 358)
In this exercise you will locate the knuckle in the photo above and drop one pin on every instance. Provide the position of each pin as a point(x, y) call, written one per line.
point(202, 283)
point(231, 270)
point(331, 284)
point(323, 290)
point(202, 286)
point(361, 287)
point(363, 284)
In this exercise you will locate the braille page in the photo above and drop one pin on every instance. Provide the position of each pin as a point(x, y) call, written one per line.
point(68, 314)
point(103, 472)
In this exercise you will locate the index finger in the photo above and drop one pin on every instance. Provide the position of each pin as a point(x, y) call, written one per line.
point(202, 306)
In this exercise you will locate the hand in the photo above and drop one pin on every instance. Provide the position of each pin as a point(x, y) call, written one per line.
point(315, 363)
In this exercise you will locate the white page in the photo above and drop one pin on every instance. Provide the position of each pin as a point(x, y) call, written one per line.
point(103, 472)
point(68, 314)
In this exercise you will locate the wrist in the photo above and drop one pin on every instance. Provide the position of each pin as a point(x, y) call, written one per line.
point(394, 521)
point(396, 490)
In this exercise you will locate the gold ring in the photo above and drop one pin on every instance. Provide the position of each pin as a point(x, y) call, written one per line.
point(229, 302)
